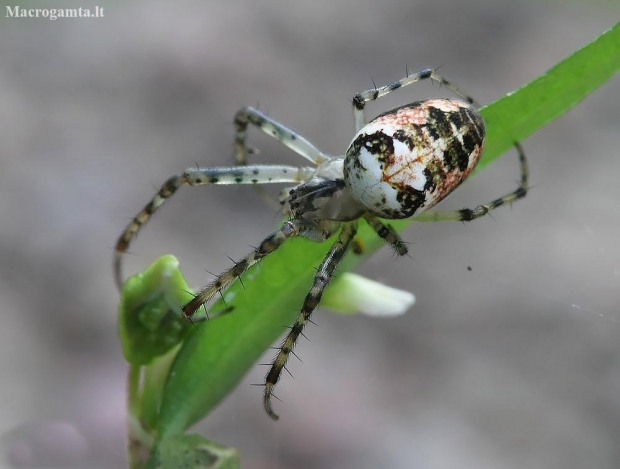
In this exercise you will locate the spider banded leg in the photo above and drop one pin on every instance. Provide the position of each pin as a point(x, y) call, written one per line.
point(361, 99)
point(468, 214)
point(321, 280)
point(255, 174)
point(288, 137)
point(387, 233)
point(272, 242)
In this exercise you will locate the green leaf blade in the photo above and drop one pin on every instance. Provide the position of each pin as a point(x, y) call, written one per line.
point(523, 112)
point(216, 356)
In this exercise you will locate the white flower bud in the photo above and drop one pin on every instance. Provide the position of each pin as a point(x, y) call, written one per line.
point(352, 293)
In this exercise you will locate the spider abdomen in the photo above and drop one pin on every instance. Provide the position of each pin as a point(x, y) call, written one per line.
point(408, 159)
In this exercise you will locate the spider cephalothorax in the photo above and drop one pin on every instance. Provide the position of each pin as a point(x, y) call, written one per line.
point(398, 165)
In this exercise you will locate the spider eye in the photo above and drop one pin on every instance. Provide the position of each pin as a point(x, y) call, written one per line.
point(408, 159)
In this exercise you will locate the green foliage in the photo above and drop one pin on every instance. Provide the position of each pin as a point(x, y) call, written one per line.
point(526, 110)
point(149, 314)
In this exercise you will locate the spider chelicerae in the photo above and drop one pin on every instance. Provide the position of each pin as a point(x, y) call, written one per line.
point(398, 165)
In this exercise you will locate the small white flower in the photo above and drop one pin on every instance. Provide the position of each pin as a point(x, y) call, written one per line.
point(352, 293)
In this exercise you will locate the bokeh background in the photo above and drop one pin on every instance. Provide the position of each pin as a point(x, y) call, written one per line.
point(514, 364)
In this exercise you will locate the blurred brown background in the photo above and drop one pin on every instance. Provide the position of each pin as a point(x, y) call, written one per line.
point(515, 364)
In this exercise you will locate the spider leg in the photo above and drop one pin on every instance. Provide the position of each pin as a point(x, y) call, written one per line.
point(272, 242)
point(468, 214)
point(361, 99)
point(321, 280)
point(254, 174)
point(387, 233)
point(280, 132)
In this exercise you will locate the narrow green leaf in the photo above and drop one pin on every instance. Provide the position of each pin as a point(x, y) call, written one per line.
point(526, 110)
point(215, 357)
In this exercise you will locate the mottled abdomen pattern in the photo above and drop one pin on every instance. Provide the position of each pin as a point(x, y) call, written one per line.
point(408, 159)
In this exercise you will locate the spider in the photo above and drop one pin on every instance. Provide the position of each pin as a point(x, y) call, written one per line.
point(398, 165)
